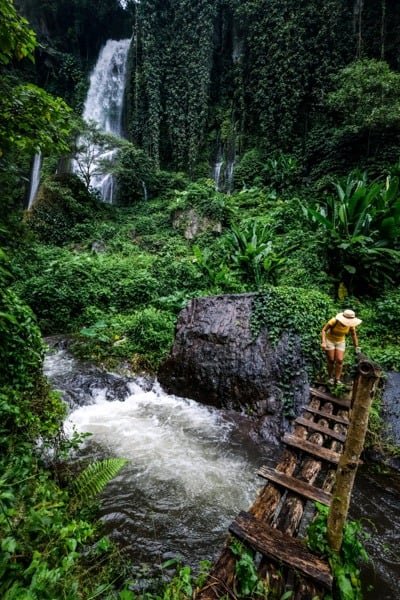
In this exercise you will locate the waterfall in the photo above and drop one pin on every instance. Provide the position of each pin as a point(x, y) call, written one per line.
point(229, 175)
point(103, 106)
point(222, 171)
point(217, 173)
point(35, 178)
point(145, 195)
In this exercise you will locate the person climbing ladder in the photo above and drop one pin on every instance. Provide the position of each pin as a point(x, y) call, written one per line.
point(333, 342)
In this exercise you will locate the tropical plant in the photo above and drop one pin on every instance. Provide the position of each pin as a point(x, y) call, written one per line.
point(218, 274)
point(252, 253)
point(280, 170)
point(346, 565)
point(17, 39)
point(32, 119)
point(247, 581)
point(92, 480)
point(362, 223)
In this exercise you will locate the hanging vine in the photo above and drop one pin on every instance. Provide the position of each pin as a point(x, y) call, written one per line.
point(244, 74)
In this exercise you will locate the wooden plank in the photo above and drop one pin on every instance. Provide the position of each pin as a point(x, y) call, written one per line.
point(321, 413)
point(295, 485)
point(310, 448)
point(282, 548)
point(328, 398)
point(317, 427)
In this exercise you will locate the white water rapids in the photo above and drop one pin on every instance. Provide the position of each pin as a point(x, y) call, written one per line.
point(191, 468)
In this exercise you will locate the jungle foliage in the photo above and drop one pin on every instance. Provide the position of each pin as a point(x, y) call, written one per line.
point(241, 85)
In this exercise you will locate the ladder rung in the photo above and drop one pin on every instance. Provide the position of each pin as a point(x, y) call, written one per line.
point(296, 485)
point(310, 448)
point(329, 416)
point(328, 398)
point(281, 547)
point(321, 429)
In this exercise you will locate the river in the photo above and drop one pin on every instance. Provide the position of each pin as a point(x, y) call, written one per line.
point(191, 469)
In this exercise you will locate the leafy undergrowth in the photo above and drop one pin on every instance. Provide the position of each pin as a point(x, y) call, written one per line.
point(119, 279)
point(346, 565)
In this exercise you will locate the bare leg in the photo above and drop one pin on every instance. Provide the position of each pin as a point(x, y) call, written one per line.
point(330, 355)
point(339, 355)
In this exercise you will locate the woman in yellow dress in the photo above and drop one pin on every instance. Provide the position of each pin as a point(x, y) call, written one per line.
point(333, 342)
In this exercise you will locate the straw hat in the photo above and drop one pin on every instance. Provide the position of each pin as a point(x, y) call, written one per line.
point(348, 318)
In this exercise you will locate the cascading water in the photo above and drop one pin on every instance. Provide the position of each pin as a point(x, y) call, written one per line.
point(216, 175)
point(223, 167)
point(191, 469)
point(35, 178)
point(103, 106)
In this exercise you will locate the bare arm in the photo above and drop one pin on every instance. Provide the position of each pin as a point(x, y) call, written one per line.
point(325, 328)
point(354, 336)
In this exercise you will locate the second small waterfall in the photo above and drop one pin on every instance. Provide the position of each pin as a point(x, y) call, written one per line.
point(103, 106)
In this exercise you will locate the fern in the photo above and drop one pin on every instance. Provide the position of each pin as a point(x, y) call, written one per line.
point(92, 480)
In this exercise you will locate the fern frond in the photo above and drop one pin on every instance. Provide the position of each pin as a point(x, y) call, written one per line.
point(95, 477)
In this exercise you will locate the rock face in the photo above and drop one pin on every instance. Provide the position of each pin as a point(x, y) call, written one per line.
point(192, 224)
point(217, 360)
point(391, 407)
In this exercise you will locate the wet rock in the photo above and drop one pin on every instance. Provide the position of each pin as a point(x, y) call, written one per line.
point(82, 383)
point(391, 407)
point(217, 360)
point(192, 224)
point(98, 247)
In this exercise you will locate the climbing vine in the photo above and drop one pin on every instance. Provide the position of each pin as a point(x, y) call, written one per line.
point(294, 317)
point(171, 76)
point(225, 76)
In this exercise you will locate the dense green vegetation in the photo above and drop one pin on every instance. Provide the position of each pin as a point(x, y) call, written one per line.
point(312, 224)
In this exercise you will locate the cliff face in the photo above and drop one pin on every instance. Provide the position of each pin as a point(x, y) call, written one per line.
point(210, 80)
point(217, 360)
point(76, 27)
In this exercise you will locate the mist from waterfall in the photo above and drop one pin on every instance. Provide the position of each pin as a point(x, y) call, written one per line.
point(103, 106)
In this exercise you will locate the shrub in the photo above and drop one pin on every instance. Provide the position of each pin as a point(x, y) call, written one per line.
point(248, 172)
point(21, 348)
point(137, 175)
point(176, 274)
point(203, 197)
point(71, 282)
point(62, 202)
point(143, 337)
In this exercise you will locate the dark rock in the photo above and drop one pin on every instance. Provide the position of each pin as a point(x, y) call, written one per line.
point(391, 407)
point(217, 360)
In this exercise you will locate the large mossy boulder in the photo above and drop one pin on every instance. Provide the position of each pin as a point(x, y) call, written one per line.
point(218, 360)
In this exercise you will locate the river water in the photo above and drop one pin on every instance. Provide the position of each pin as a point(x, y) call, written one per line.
point(191, 469)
